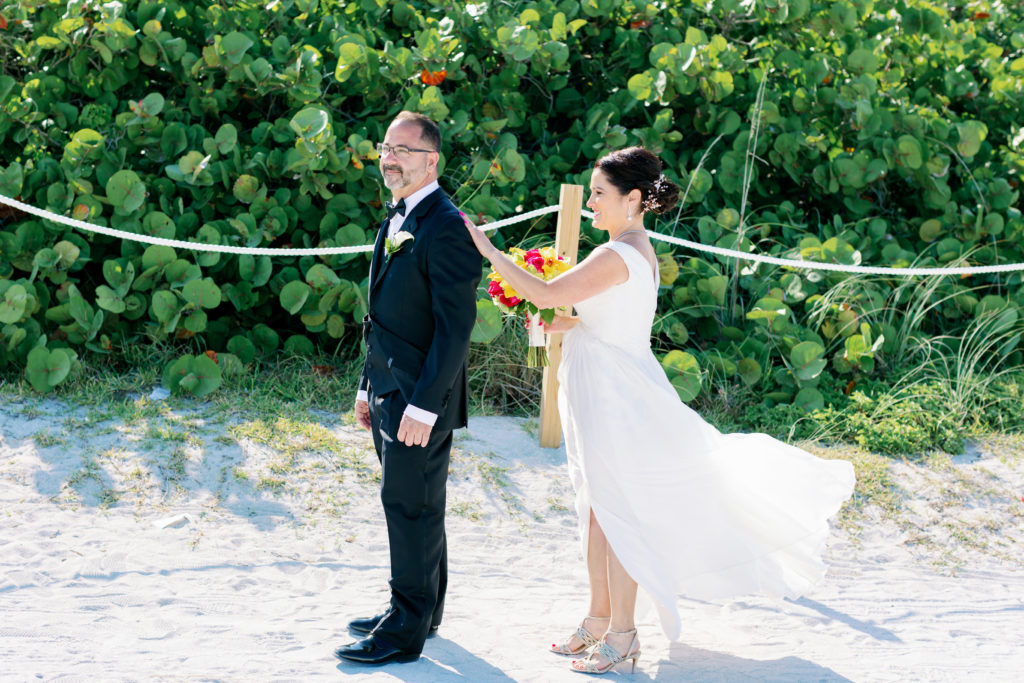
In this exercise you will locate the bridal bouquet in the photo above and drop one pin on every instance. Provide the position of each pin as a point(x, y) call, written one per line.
point(546, 263)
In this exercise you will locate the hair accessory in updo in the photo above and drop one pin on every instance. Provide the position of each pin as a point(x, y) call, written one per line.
point(652, 203)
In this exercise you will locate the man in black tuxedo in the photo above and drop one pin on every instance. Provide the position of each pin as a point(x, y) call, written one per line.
point(413, 390)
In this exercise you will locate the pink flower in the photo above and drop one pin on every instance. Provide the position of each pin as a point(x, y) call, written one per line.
point(534, 258)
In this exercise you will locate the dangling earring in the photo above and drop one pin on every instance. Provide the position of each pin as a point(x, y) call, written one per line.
point(629, 216)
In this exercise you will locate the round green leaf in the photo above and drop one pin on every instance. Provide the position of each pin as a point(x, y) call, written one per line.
point(234, 46)
point(12, 308)
point(226, 138)
point(108, 300)
point(750, 371)
point(641, 86)
point(683, 372)
point(203, 293)
point(862, 61)
point(293, 296)
point(246, 188)
point(243, 348)
point(807, 360)
point(488, 322)
point(125, 190)
point(930, 230)
point(909, 151)
point(298, 345)
point(809, 399)
point(972, 133)
point(47, 368)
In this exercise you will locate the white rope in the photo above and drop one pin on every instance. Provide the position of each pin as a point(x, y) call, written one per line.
point(815, 265)
point(730, 253)
point(200, 246)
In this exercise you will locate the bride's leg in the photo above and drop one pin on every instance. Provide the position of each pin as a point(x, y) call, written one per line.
point(597, 570)
point(596, 621)
point(622, 588)
point(622, 599)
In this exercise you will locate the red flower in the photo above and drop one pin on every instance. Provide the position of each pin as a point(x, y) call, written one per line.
point(494, 289)
point(534, 258)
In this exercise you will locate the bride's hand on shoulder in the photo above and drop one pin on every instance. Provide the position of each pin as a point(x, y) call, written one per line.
point(561, 323)
point(483, 244)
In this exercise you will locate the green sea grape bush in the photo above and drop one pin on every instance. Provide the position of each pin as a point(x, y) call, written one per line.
point(856, 131)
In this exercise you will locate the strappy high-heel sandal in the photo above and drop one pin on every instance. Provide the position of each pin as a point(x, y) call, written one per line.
point(590, 665)
point(588, 639)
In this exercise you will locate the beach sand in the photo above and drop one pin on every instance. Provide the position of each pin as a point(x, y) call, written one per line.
point(141, 542)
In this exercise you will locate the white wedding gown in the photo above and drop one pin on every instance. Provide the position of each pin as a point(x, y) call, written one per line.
point(689, 511)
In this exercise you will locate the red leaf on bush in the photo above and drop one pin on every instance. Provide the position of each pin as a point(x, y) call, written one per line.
point(211, 354)
point(981, 15)
point(3, 22)
point(642, 23)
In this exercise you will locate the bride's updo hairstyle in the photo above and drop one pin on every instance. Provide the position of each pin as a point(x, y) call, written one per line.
point(636, 168)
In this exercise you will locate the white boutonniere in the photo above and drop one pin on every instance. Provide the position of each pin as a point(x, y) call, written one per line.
point(394, 244)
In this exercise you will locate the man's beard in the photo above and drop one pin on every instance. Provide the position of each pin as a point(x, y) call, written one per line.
point(394, 182)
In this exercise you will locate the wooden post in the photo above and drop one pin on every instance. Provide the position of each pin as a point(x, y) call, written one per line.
point(567, 239)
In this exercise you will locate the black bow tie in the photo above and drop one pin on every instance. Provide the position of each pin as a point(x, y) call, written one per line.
point(398, 208)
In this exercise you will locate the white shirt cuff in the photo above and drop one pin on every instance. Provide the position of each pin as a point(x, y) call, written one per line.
point(361, 395)
point(421, 415)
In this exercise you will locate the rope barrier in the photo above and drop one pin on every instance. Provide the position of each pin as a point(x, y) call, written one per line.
point(696, 246)
point(839, 267)
point(223, 248)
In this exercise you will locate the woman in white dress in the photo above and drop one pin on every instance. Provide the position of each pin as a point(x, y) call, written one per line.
point(664, 499)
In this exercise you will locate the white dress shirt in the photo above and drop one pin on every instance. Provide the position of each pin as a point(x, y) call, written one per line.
point(397, 220)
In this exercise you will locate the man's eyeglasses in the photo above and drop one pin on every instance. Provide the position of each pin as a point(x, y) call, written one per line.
point(400, 151)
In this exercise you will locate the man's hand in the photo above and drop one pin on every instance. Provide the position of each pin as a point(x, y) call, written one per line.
point(362, 411)
point(413, 432)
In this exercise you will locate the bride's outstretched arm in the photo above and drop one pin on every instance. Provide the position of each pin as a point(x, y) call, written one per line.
point(599, 271)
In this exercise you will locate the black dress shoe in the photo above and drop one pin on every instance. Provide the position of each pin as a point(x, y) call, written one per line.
point(374, 651)
point(366, 626)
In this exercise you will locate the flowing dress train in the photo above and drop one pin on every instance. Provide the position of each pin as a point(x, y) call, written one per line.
point(689, 511)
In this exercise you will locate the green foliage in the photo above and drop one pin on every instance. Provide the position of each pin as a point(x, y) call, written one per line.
point(198, 375)
point(887, 132)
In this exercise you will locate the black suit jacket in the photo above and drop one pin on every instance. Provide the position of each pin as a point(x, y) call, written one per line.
point(422, 308)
